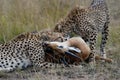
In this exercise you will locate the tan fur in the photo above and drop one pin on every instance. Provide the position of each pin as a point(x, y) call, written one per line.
point(102, 58)
point(87, 23)
point(25, 50)
point(80, 43)
point(77, 42)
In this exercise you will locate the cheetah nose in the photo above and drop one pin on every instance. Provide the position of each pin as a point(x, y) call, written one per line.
point(71, 54)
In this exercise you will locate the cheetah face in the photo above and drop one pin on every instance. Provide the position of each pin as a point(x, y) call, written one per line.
point(60, 28)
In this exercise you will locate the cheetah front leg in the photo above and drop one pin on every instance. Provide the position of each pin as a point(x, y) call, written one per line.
point(104, 40)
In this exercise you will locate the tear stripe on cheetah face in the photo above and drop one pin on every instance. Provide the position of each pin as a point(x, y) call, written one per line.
point(87, 22)
point(25, 50)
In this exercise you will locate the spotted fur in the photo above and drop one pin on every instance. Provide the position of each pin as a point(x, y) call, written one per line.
point(25, 50)
point(87, 22)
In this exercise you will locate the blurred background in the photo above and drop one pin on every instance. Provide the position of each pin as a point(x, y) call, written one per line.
point(17, 16)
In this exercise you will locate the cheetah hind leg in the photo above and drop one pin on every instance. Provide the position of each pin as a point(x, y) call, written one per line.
point(47, 65)
point(104, 40)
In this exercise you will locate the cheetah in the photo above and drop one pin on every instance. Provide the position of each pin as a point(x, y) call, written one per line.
point(87, 23)
point(26, 50)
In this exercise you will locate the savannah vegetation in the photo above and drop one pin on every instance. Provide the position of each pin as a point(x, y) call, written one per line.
point(18, 16)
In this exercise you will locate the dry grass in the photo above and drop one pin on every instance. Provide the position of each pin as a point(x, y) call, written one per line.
point(17, 16)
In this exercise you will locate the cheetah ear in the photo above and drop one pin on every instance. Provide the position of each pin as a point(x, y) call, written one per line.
point(59, 27)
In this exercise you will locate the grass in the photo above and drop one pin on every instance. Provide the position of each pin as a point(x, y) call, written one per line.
point(17, 16)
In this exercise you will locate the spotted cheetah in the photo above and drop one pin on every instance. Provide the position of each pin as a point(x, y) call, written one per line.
point(87, 22)
point(25, 50)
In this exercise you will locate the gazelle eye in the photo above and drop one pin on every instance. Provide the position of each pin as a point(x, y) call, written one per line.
point(60, 46)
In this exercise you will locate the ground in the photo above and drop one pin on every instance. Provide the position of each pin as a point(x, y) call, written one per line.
point(17, 16)
point(100, 71)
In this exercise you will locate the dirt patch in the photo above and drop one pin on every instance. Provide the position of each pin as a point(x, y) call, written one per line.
point(100, 71)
